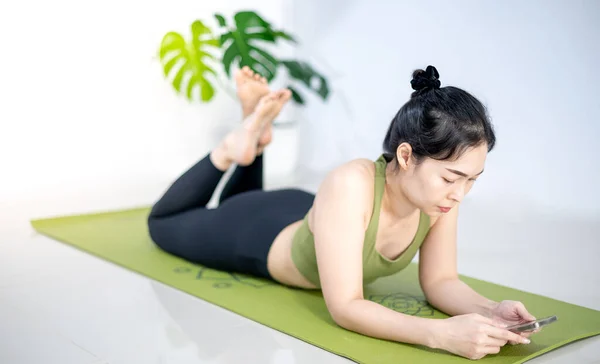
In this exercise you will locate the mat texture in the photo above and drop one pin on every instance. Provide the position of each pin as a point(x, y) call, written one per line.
point(121, 237)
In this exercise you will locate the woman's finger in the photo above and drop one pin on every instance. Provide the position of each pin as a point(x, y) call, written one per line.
point(492, 341)
point(522, 311)
point(529, 333)
point(504, 334)
point(491, 349)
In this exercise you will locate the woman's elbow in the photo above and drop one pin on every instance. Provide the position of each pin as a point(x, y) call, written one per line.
point(343, 315)
point(340, 319)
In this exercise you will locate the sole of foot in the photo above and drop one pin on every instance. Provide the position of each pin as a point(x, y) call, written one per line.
point(283, 96)
point(251, 87)
point(254, 134)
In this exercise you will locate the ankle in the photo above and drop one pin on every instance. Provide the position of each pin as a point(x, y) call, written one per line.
point(246, 111)
point(219, 159)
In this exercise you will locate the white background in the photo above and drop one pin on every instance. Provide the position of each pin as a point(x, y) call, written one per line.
point(88, 123)
point(533, 63)
point(86, 111)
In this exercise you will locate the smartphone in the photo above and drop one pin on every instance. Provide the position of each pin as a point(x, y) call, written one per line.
point(532, 325)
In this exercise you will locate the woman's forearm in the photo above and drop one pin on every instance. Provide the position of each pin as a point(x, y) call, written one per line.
point(372, 319)
point(455, 297)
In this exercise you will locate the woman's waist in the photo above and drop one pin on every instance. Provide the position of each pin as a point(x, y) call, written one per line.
point(281, 263)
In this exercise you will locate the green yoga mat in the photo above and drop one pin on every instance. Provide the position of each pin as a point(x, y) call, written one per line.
point(121, 237)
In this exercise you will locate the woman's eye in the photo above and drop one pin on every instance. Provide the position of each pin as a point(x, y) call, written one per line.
point(447, 180)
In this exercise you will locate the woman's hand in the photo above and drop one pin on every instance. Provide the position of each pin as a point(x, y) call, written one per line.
point(472, 336)
point(513, 313)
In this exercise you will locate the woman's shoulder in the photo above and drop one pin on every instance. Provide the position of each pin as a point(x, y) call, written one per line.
point(359, 170)
point(355, 178)
point(350, 186)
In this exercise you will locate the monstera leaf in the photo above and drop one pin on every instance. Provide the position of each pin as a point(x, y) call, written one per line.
point(240, 43)
point(175, 49)
point(243, 43)
point(304, 73)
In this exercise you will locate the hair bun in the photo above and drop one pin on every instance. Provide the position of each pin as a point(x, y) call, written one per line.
point(428, 79)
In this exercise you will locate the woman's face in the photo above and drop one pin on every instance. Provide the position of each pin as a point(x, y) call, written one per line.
point(435, 187)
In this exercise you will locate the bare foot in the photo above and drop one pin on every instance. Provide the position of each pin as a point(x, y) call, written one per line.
point(251, 87)
point(282, 96)
point(241, 146)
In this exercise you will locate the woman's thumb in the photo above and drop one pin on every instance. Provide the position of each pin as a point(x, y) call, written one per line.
point(522, 311)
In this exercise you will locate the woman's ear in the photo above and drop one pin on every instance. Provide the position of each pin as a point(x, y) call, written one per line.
point(404, 155)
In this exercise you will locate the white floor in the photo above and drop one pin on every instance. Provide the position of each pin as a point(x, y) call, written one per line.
point(59, 305)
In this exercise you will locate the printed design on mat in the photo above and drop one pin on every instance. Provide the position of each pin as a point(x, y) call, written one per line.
point(224, 279)
point(404, 303)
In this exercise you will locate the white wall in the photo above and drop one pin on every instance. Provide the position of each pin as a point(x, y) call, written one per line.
point(87, 120)
point(533, 63)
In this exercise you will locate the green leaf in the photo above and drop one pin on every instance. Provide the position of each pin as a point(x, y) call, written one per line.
point(280, 34)
point(250, 19)
point(229, 56)
point(241, 45)
point(192, 55)
point(304, 73)
point(167, 67)
point(206, 91)
point(266, 36)
point(221, 20)
point(296, 95)
point(268, 62)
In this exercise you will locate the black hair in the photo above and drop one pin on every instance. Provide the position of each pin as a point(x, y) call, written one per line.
point(439, 123)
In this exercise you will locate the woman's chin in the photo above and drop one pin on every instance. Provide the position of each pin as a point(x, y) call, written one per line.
point(433, 211)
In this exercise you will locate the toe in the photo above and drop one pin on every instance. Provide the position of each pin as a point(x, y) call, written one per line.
point(267, 99)
point(240, 75)
point(263, 80)
point(257, 77)
point(288, 94)
point(285, 94)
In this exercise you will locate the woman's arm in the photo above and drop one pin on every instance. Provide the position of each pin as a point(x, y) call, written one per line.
point(438, 273)
point(340, 215)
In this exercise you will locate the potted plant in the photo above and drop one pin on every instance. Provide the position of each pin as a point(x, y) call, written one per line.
point(240, 43)
point(199, 62)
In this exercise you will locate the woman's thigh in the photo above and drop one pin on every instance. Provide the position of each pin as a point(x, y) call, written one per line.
point(235, 236)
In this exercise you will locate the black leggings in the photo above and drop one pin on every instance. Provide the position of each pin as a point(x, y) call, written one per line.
point(235, 236)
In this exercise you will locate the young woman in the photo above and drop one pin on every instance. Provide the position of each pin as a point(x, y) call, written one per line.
point(367, 220)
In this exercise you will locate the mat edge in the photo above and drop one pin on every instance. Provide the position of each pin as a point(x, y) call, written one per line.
point(558, 346)
point(50, 218)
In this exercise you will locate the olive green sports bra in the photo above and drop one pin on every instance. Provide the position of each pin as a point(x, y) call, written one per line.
point(374, 264)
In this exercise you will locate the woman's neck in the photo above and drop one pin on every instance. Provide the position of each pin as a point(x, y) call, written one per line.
point(394, 200)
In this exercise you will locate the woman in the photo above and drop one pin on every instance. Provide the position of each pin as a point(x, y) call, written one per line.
point(367, 220)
